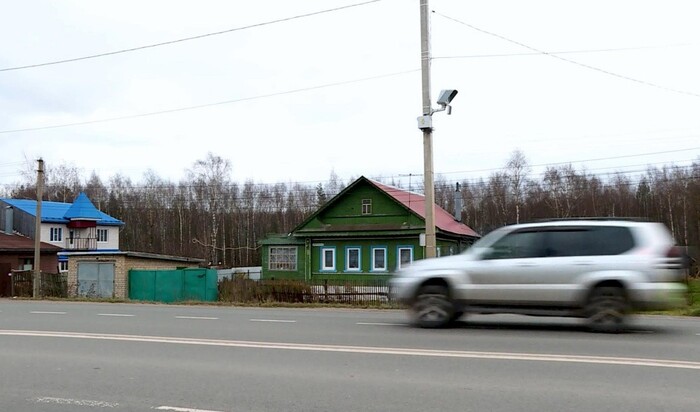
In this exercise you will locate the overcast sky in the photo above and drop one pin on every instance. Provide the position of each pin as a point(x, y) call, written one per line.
point(563, 81)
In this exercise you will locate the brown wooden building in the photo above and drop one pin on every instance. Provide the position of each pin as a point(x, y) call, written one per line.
point(17, 253)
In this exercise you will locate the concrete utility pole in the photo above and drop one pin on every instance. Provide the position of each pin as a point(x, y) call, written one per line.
point(37, 229)
point(425, 57)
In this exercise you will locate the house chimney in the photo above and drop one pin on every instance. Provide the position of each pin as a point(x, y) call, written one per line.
point(9, 220)
point(458, 204)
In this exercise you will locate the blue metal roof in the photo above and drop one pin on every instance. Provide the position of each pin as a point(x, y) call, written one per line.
point(59, 212)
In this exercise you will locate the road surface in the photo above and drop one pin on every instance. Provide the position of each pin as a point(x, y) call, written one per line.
point(59, 356)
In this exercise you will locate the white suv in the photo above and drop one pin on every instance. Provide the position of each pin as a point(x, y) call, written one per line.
point(596, 269)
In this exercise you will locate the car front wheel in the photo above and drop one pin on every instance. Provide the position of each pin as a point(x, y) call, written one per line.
point(433, 307)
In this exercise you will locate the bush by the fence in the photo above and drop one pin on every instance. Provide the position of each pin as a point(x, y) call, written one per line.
point(242, 290)
point(247, 291)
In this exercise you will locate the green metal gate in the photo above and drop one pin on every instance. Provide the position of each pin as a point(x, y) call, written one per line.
point(173, 285)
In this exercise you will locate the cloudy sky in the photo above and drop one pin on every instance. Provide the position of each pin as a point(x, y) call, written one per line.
point(289, 94)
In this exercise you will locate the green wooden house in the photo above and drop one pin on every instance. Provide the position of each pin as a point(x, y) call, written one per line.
point(366, 232)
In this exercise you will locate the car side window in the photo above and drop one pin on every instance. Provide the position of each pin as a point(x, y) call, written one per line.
point(570, 242)
point(517, 245)
point(612, 240)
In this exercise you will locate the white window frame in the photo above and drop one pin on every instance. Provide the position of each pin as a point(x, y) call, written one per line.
point(63, 266)
point(374, 260)
point(347, 259)
point(366, 206)
point(55, 234)
point(106, 234)
point(285, 263)
point(398, 256)
point(324, 267)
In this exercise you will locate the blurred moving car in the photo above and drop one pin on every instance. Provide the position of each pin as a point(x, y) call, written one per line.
point(598, 269)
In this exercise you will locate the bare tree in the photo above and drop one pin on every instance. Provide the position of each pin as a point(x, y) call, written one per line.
point(517, 170)
point(210, 177)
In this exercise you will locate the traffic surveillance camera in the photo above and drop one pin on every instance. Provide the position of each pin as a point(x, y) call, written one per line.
point(446, 97)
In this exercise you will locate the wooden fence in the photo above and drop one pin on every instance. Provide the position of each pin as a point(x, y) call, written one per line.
point(50, 284)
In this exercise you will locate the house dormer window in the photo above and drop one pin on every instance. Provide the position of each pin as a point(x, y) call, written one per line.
point(366, 206)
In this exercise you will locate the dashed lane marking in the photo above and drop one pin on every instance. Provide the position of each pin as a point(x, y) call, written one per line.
point(196, 317)
point(39, 312)
point(273, 320)
point(117, 315)
point(178, 409)
point(76, 402)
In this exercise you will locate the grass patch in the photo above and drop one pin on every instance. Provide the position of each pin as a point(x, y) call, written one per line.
point(693, 307)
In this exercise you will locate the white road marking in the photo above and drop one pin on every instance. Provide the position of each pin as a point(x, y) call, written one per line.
point(380, 324)
point(38, 312)
point(196, 317)
point(542, 357)
point(122, 315)
point(77, 402)
point(273, 320)
point(175, 408)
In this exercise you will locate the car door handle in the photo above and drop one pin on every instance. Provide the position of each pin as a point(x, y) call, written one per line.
point(583, 263)
point(525, 265)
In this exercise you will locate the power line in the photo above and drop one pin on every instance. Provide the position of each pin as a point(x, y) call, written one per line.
point(478, 56)
point(165, 43)
point(578, 161)
point(201, 106)
point(587, 66)
point(303, 187)
point(244, 191)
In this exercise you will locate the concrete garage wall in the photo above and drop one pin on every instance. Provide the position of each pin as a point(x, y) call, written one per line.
point(123, 263)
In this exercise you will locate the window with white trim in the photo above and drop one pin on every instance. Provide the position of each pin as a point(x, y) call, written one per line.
point(379, 259)
point(101, 235)
point(63, 266)
point(352, 259)
point(283, 258)
point(55, 234)
point(366, 206)
point(405, 257)
point(328, 259)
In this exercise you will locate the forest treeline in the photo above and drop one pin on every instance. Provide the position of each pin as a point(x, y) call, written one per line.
point(207, 215)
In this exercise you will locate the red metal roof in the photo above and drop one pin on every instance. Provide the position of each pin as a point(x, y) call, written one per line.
point(16, 243)
point(443, 219)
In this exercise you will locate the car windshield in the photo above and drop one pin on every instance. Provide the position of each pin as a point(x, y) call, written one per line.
point(486, 241)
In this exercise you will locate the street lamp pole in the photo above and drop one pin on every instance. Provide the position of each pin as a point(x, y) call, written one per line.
point(428, 177)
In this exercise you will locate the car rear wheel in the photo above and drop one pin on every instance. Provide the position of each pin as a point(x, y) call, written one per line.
point(607, 309)
point(433, 307)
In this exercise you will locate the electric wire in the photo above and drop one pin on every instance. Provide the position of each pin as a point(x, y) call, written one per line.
point(587, 66)
point(201, 36)
point(201, 106)
point(583, 51)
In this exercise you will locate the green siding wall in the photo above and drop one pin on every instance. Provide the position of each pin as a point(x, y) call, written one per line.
point(366, 246)
point(348, 211)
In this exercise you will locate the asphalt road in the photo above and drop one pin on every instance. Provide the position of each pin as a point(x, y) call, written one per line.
point(57, 356)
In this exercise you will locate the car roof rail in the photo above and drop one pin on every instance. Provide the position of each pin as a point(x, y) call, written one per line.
point(589, 218)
